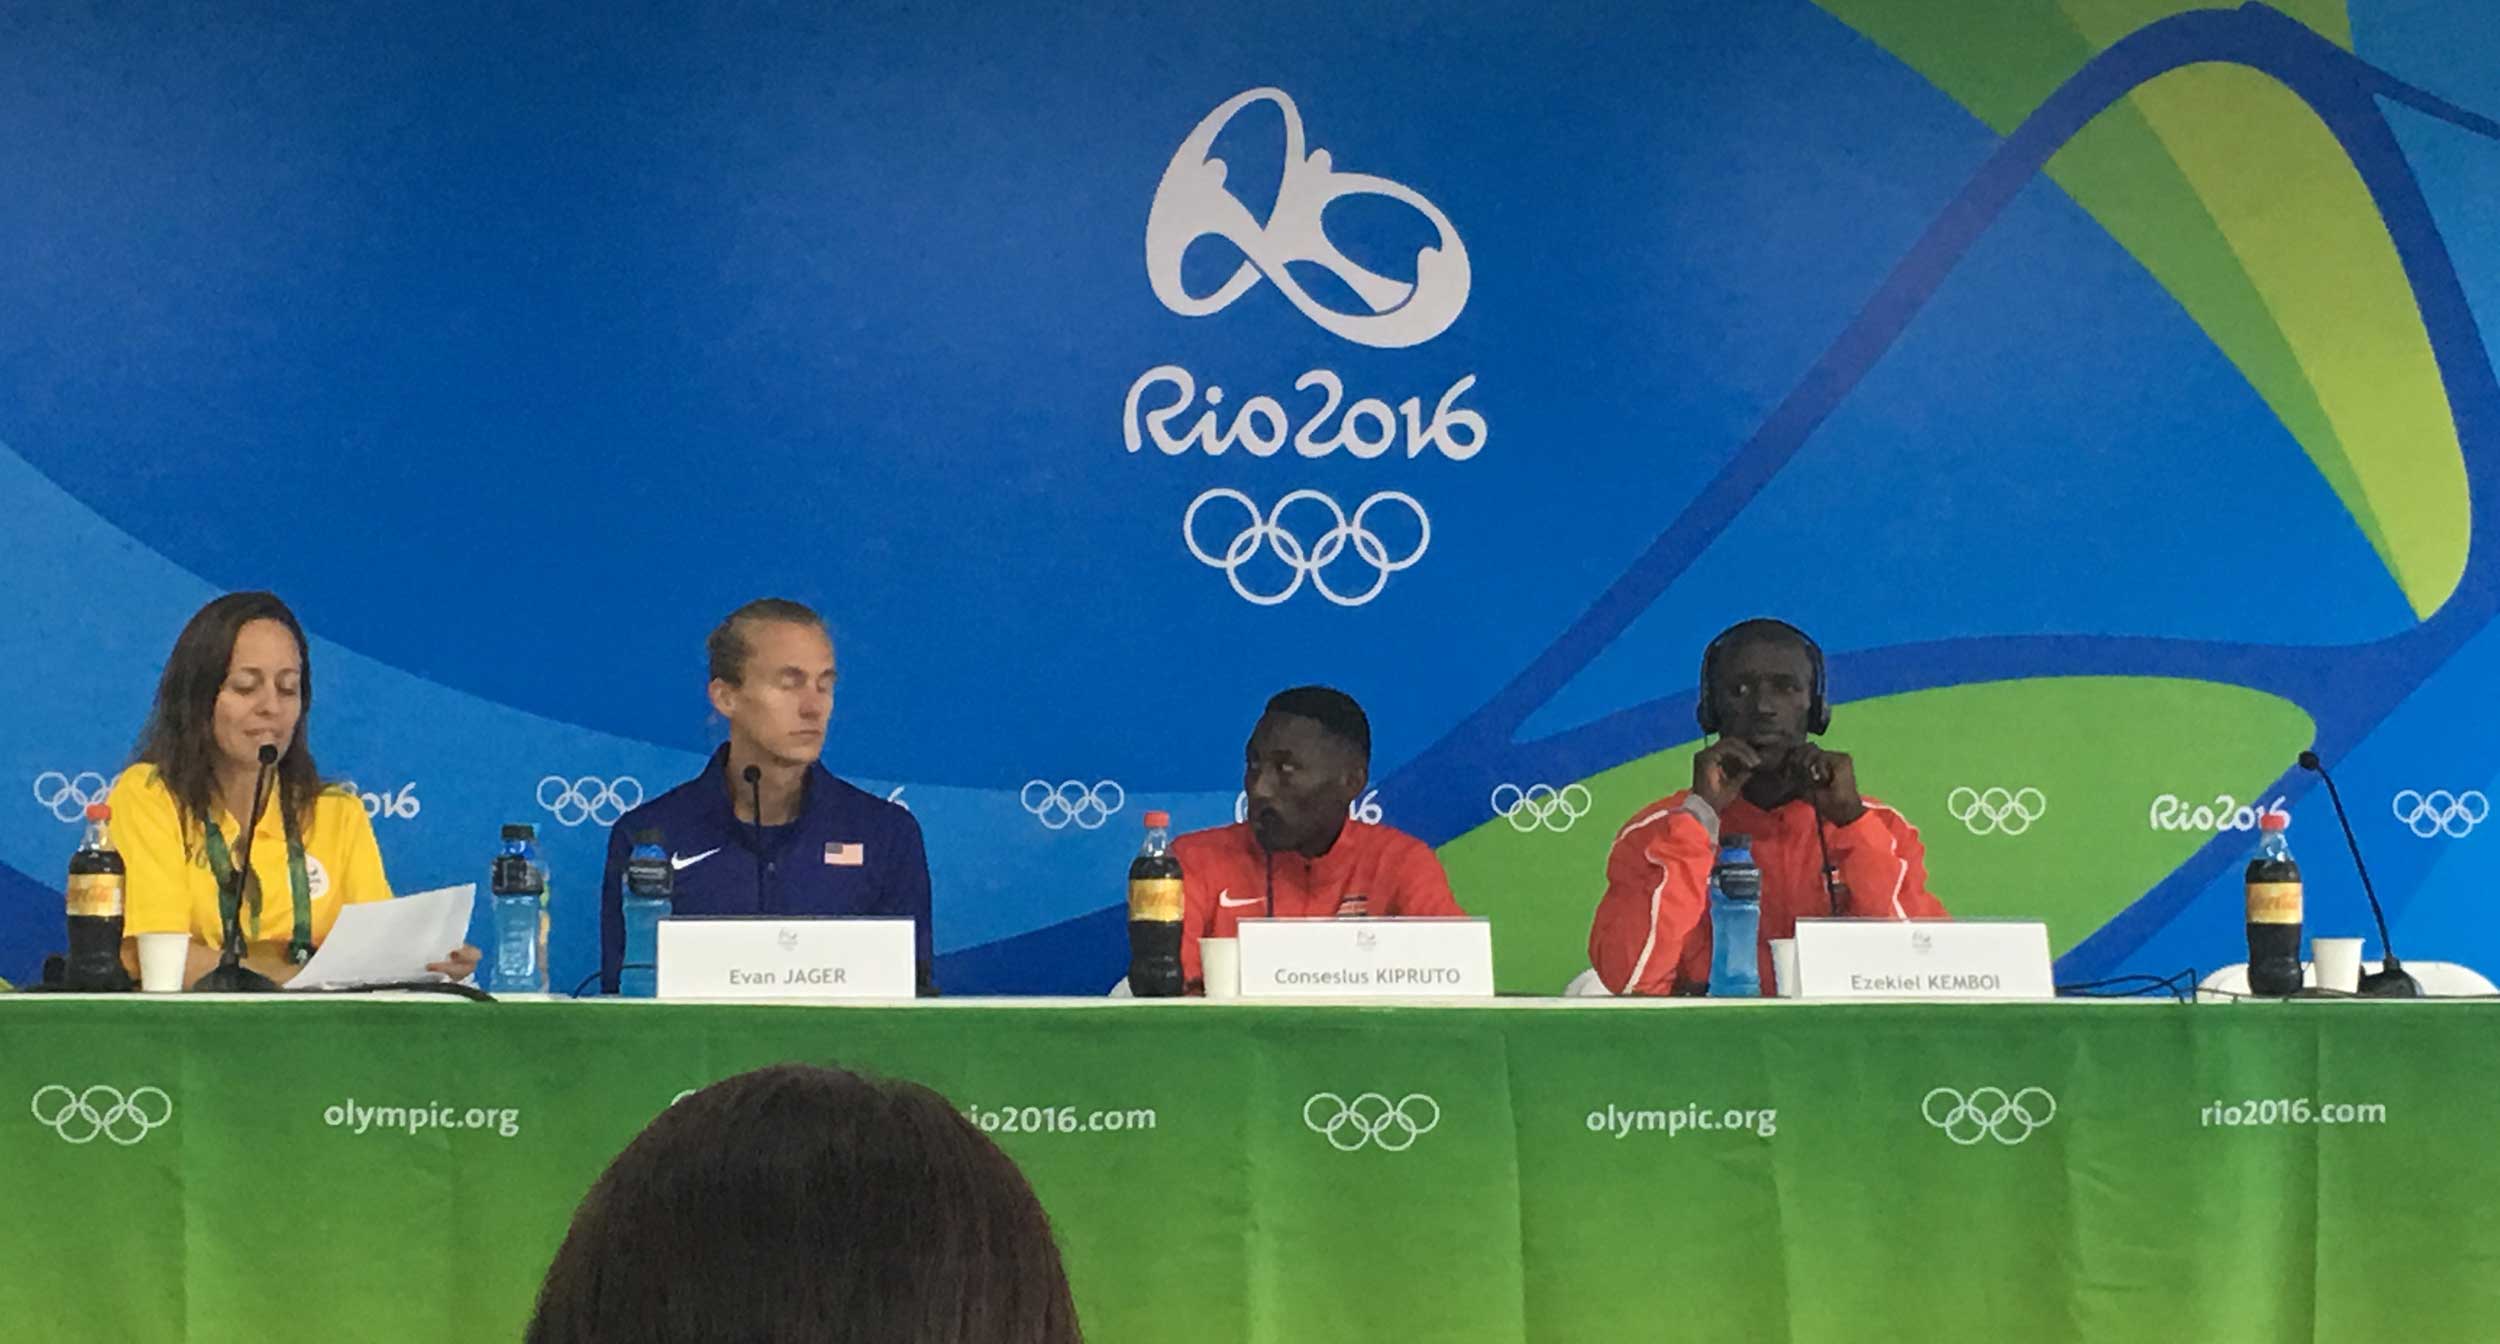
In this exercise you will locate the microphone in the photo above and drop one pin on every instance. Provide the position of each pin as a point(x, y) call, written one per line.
point(1817, 772)
point(231, 975)
point(2390, 980)
point(755, 791)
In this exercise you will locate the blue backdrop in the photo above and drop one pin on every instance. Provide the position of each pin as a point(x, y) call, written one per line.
point(1100, 371)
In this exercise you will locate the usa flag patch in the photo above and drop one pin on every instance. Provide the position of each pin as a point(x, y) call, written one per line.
point(846, 856)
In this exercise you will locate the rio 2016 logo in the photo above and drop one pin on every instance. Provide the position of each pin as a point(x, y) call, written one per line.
point(1193, 202)
point(1262, 427)
point(400, 804)
point(1365, 808)
point(1329, 546)
point(2170, 812)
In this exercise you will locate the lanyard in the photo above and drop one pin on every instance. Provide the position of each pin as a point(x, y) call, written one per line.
point(299, 944)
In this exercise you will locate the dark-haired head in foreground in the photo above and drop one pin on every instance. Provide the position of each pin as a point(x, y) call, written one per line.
point(798, 1203)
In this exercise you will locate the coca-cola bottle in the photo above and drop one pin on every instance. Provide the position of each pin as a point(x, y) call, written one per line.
point(2273, 888)
point(1154, 914)
point(95, 903)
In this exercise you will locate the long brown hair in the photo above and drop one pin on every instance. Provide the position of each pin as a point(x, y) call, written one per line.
point(804, 1205)
point(180, 737)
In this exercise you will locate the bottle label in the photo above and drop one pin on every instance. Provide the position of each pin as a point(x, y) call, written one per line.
point(95, 895)
point(2274, 902)
point(515, 875)
point(650, 878)
point(1155, 899)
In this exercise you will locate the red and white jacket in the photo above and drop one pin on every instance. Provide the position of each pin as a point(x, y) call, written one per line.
point(1652, 932)
point(1377, 871)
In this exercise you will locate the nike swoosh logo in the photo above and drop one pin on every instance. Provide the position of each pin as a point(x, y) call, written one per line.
point(682, 862)
point(1224, 898)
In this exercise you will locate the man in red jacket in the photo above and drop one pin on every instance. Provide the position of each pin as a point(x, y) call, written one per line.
point(1297, 855)
point(1822, 848)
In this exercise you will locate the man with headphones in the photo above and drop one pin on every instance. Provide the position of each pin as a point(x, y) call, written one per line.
point(1823, 849)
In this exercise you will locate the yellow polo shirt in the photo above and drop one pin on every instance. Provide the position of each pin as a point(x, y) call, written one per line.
point(170, 887)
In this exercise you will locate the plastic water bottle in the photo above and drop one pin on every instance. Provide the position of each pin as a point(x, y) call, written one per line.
point(1735, 922)
point(650, 889)
point(519, 883)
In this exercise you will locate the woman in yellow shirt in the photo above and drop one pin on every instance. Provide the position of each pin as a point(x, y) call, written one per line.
point(240, 678)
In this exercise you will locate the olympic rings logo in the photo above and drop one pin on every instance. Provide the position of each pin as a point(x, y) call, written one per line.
point(1371, 1119)
point(589, 798)
point(78, 1117)
point(2428, 814)
point(1541, 806)
point(1268, 532)
point(1996, 812)
point(1072, 804)
point(67, 796)
point(1988, 1113)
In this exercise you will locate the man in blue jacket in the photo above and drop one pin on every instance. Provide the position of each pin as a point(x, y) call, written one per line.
point(793, 840)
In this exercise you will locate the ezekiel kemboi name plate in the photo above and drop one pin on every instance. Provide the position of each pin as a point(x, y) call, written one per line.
point(1923, 959)
point(1366, 958)
point(787, 959)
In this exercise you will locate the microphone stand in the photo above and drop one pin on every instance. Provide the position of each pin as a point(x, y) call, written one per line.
point(2391, 980)
point(231, 975)
point(755, 793)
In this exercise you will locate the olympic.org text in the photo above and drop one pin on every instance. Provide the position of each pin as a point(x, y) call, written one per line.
point(1690, 1118)
point(2273, 1112)
point(1058, 1120)
point(504, 1121)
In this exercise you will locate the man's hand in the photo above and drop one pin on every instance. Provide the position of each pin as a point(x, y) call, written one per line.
point(1831, 784)
point(1720, 770)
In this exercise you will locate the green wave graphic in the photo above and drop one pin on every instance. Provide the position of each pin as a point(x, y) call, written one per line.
point(2239, 202)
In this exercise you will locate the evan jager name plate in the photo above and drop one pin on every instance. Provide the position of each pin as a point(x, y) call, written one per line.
point(787, 959)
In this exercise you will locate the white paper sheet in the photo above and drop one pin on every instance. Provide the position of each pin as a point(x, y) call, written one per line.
point(382, 941)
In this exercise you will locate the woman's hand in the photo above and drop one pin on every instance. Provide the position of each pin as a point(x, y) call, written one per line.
point(460, 965)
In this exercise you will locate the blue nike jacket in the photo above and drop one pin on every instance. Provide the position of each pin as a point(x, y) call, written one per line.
point(849, 852)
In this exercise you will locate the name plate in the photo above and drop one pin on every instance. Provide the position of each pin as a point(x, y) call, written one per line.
point(1366, 958)
point(787, 959)
point(1980, 959)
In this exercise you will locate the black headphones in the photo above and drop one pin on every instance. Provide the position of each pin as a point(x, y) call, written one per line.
point(1818, 710)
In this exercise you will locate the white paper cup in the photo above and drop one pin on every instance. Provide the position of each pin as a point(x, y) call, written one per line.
point(1220, 958)
point(1784, 967)
point(2338, 963)
point(162, 957)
